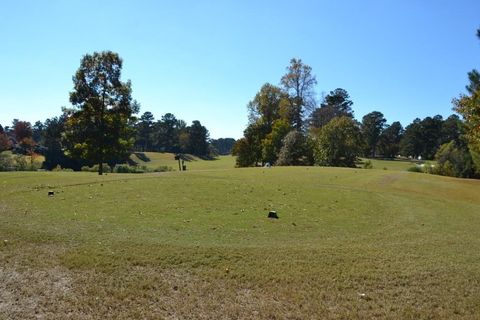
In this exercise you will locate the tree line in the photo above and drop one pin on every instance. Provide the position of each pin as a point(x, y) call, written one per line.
point(286, 126)
point(102, 127)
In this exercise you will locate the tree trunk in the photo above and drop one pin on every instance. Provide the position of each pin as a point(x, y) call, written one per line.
point(100, 168)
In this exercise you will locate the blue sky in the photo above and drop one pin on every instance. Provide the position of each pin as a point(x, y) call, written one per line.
point(204, 60)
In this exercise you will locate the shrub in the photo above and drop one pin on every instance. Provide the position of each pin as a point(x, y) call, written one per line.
point(163, 169)
point(125, 168)
point(415, 169)
point(58, 168)
point(6, 162)
point(94, 168)
point(368, 165)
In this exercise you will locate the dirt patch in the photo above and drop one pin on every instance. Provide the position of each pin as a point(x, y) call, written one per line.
point(32, 294)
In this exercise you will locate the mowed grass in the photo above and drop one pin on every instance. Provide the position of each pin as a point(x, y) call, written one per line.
point(349, 244)
point(394, 164)
point(158, 159)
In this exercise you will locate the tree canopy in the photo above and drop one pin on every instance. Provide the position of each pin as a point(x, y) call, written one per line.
point(98, 127)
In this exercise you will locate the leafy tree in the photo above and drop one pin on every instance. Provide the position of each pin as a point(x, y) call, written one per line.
point(22, 130)
point(144, 128)
point(272, 143)
point(4, 142)
point(166, 133)
point(338, 143)
point(423, 137)
point(99, 127)
point(451, 129)
point(336, 104)
point(53, 140)
point(454, 160)
point(412, 143)
point(265, 107)
point(296, 150)
point(223, 145)
point(23, 135)
point(469, 107)
point(198, 139)
point(299, 83)
point(431, 135)
point(389, 141)
point(373, 124)
point(37, 131)
point(244, 152)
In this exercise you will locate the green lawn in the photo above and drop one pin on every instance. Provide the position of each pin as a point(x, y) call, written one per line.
point(194, 163)
point(349, 244)
point(394, 164)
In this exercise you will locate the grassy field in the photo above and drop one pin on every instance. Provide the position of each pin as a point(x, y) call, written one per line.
point(349, 244)
point(394, 164)
point(168, 159)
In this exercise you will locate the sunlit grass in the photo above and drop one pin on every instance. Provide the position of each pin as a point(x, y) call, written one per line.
point(350, 243)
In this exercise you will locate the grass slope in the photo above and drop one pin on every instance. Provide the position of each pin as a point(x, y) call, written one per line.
point(349, 243)
point(158, 159)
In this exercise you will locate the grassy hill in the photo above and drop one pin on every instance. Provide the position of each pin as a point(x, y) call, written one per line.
point(157, 159)
point(349, 244)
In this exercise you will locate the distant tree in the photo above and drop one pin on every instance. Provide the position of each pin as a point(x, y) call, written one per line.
point(273, 142)
point(37, 131)
point(432, 135)
point(22, 130)
point(4, 142)
point(245, 155)
point(296, 150)
point(338, 143)
point(1, 129)
point(299, 83)
point(451, 129)
point(144, 128)
point(23, 136)
point(412, 139)
point(53, 140)
point(454, 160)
point(265, 106)
point(251, 143)
point(336, 104)
point(373, 124)
point(198, 139)
point(99, 127)
point(389, 141)
point(223, 145)
point(166, 133)
point(423, 137)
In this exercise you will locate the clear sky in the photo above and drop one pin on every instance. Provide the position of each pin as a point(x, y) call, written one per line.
point(204, 60)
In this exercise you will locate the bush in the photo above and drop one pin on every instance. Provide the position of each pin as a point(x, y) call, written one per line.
point(58, 168)
point(368, 165)
point(415, 169)
point(163, 169)
point(9, 162)
point(6, 162)
point(94, 168)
